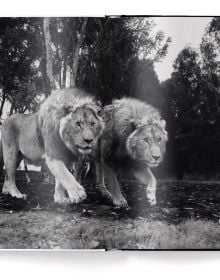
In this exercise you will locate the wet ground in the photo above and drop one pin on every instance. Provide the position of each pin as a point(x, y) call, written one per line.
point(176, 201)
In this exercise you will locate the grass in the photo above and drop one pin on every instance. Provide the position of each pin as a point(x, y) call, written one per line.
point(49, 230)
point(190, 234)
point(192, 207)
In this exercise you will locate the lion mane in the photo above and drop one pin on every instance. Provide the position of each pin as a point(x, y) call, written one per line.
point(126, 114)
point(66, 126)
point(129, 124)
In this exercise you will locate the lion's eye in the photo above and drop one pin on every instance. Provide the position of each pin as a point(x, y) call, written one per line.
point(92, 124)
point(146, 140)
point(78, 124)
point(159, 139)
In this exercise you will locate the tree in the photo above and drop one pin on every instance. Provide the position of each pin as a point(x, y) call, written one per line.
point(145, 83)
point(111, 48)
point(210, 49)
point(38, 54)
point(20, 52)
point(49, 62)
point(148, 43)
point(192, 115)
point(67, 35)
point(79, 36)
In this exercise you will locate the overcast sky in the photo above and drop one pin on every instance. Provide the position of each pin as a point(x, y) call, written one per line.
point(184, 31)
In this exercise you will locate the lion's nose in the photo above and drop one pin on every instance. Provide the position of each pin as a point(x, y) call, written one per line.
point(88, 140)
point(155, 157)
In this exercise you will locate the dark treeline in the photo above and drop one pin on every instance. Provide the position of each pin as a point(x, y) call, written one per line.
point(115, 57)
point(192, 108)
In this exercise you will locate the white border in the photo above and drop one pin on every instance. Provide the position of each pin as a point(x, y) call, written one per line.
point(113, 7)
point(110, 265)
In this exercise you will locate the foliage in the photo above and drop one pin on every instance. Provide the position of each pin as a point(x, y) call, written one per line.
point(193, 113)
point(109, 52)
point(20, 52)
point(145, 84)
point(210, 49)
point(108, 63)
point(148, 45)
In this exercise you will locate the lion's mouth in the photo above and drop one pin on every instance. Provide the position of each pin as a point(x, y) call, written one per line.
point(150, 163)
point(153, 164)
point(84, 150)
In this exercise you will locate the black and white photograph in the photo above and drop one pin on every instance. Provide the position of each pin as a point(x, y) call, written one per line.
point(110, 133)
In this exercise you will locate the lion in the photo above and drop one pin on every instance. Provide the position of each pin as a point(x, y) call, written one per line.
point(28, 179)
point(134, 138)
point(66, 127)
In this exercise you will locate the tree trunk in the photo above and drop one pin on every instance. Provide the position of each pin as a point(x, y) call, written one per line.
point(43, 66)
point(50, 79)
point(2, 105)
point(11, 110)
point(64, 73)
point(76, 53)
point(66, 49)
point(93, 49)
point(50, 84)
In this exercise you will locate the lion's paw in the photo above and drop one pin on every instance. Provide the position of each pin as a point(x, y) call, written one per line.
point(120, 202)
point(14, 193)
point(152, 201)
point(151, 198)
point(77, 195)
point(62, 200)
point(105, 193)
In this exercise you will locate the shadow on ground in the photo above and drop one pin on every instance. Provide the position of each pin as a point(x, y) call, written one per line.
point(176, 201)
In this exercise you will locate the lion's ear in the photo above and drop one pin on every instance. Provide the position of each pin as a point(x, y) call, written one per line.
point(135, 124)
point(97, 108)
point(163, 123)
point(67, 109)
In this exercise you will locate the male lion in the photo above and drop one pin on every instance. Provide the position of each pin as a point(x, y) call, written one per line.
point(134, 138)
point(66, 126)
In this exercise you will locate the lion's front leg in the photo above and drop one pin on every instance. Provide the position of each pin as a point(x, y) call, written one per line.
point(151, 187)
point(60, 194)
point(63, 176)
point(100, 180)
point(146, 177)
point(11, 160)
point(114, 187)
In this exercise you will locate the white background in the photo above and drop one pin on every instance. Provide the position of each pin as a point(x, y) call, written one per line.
point(111, 265)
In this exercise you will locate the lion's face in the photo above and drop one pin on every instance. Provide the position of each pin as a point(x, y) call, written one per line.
point(80, 130)
point(147, 143)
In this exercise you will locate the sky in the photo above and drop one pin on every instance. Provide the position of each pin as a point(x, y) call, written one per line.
point(184, 31)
